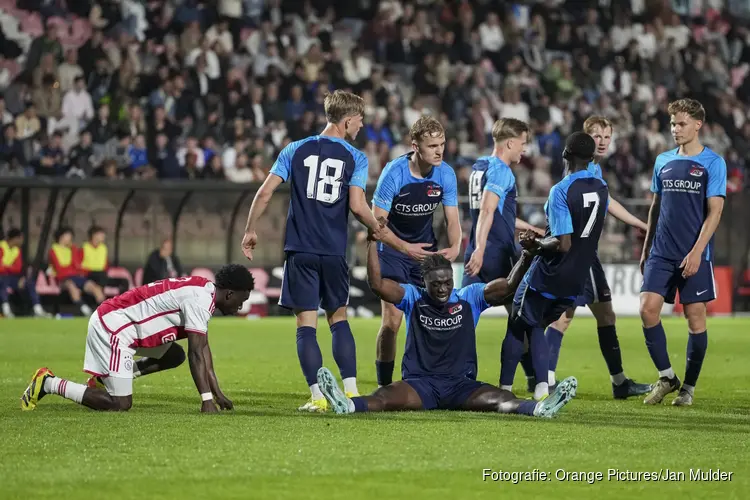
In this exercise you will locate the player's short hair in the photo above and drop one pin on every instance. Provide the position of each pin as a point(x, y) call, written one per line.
point(235, 277)
point(63, 230)
point(596, 121)
point(426, 126)
point(434, 262)
point(341, 104)
point(508, 128)
point(95, 230)
point(691, 107)
point(13, 233)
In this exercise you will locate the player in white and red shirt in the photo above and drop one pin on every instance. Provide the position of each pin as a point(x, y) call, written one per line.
point(146, 321)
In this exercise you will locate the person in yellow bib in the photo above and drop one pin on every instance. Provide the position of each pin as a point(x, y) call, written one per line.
point(65, 263)
point(13, 275)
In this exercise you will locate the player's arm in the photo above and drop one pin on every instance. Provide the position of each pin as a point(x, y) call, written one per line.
point(621, 213)
point(260, 203)
point(522, 225)
point(450, 208)
point(197, 343)
point(499, 291)
point(653, 216)
point(224, 402)
point(487, 209)
point(560, 225)
point(358, 202)
point(385, 289)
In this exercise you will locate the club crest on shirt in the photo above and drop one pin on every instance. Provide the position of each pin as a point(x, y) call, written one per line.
point(434, 191)
point(455, 309)
point(696, 171)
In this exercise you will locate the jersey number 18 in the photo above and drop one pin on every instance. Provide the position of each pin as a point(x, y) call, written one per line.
point(330, 173)
point(475, 189)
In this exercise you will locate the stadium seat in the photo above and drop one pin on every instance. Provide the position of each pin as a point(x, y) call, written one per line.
point(138, 277)
point(46, 285)
point(122, 274)
point(203, 273)
point(743, 290)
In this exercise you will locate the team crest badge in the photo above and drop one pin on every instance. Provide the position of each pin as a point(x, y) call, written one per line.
point(434, 191)
point(696, 171)
point(128, 364)
point(455, 309)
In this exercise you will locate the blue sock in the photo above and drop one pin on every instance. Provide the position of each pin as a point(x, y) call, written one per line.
point(539, 354)
point(554, 340)
point(656, 343)
point(696, 352)
point(528, 368)
point(610, 347)
point(384, 372)
point(526, 408)
point(360, 404)
point(344, 349)
point(308, 352)
point(513, 347)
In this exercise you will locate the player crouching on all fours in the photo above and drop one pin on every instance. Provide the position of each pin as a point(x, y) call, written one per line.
point(146, 321)
point(439, 365)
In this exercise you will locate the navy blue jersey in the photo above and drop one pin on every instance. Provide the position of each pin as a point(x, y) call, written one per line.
point(685, 183)
point(412, 201)
point(321, 169)
point(577, 205)
point(490, 173)
point(440, 338)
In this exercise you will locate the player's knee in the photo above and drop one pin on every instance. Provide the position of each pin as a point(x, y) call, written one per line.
point(696, 317)
point(175, 356)
point(649, 313)
point(605, 315)
point(121, 403)
point(390, 323)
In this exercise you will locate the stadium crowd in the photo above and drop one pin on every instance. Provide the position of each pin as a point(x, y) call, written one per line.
point(193, 89)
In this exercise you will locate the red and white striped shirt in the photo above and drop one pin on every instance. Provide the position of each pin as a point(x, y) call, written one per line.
point(160, 312)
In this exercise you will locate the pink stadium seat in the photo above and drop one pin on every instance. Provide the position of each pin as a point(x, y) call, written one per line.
point(120, 273)
point(203, 273)
point(46, 285)
point(138, 277)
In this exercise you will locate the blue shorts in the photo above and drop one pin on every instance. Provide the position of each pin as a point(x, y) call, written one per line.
point(596, 288)
point(444, 393)
point(497, 263)
point(535, 309)
point(78, 281)
point(400, 268)
point(311, 281)
point(664, 277)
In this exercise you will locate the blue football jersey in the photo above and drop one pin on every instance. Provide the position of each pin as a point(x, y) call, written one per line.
point(577, 205)
point(412, 201)
point(596, 170)
point(321, 169)
point(491, 174)
point(684, 184)
point(441, 338)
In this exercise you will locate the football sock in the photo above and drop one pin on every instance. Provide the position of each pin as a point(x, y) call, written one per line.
point(528, 368)
point(308, 352)
point(526, 408)
point(344, 349)
point(554, 340)
point(696, 352)
point(550, 378)
point(539, 354)
point(610, 347)
point(350, 385)
point(315, 392)
point(656, 343)
point(65, 388)
point(618, 378)
point(541, 390)
point(384, 371)
point(512, 350)
point(357, 404)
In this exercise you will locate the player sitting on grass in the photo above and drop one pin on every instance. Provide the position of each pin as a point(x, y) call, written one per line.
point(146, 321)
point(439, 365)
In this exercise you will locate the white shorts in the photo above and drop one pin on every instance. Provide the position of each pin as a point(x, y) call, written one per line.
point(111, 361)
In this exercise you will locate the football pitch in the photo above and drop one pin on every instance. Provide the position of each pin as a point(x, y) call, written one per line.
point(163, 448)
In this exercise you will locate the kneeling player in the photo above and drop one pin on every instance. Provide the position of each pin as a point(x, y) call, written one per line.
point(440, 360)
point(142, 321)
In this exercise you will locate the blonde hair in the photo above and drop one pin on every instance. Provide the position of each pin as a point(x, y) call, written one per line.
point(508, 128)
point(426, 126)
point(341, 104)
point(691, 107)
point(596, 121)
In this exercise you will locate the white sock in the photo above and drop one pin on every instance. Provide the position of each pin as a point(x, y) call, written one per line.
point(38, 309)
point(541, 390)
point(350, 385)
point(507, 388)
point(315, 391)
point(6, 309)
point(669, 373)
point(65, 388)
point(537, 408)
point(618, 378)
point(350, 405)
point(550, 378)
point(689, 389)
point(86, 310)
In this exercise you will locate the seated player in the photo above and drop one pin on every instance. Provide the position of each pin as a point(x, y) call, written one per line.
point(13, 275)
point(65, 261)
point(439, 366)
point(147, 321)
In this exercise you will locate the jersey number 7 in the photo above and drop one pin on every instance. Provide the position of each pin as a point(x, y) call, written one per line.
point(330, 173)
point(588, 200)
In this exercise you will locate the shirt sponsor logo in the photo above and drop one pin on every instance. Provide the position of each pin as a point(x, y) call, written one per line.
point(696, 171)
point(455, 309)
point(434, 191)
point(416, 209)
point(440, 323)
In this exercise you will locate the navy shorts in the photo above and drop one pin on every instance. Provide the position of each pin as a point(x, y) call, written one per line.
point(400, 268)
point(78, 281)
point(311, 281)
point(444, 393)
point(535, 309)
point(596, 288)
point(497, 263)
point(664, 277)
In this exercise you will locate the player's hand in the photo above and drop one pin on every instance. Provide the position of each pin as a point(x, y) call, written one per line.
point(538, 231)
point(690, 264)
point(224, 402)
point(474, 265)
point(248, 244)
point(528, 239)
point(209, 407)
point(417, 251)
point(450, 253)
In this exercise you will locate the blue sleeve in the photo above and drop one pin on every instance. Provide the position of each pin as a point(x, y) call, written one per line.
point(474, 295)
point(560, 221)
point(411, 296)
point(450, 191)
point(655, 181)
point(717, 178)
point(359, 178)
point(499, 181)
point(283, 164)
point(386, 189)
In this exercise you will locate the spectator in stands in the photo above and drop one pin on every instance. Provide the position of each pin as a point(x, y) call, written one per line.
point(51, 159)
point(65, 266)
point(161, 264)
point(94, 256)
point(14, 276)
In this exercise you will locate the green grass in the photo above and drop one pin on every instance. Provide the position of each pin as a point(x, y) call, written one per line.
point(163, 448)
